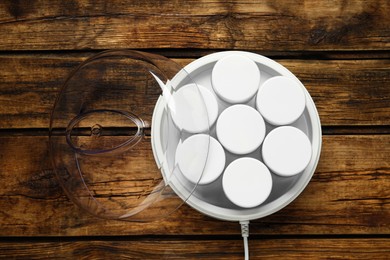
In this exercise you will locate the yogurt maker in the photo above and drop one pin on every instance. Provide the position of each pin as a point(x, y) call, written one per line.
point(134, 135)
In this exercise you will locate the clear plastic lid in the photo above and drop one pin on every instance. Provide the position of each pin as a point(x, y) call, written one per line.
point(100, 134)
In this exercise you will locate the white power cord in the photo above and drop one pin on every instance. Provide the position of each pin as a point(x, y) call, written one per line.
point(245, 235)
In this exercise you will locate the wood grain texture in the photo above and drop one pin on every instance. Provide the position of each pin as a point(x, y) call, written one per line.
point(348, 194)
point(252, 25)
point(338, 49)
point(346, 92)
point(190, 248)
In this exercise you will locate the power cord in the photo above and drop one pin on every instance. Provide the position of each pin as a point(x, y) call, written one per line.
point(245, 235)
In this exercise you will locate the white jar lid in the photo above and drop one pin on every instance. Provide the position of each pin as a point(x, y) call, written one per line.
point(247, 182)
point(281, 100)
point(190, 159)
point(286, 151)
point(183, 104)
point(240, 129)
point(235, 78)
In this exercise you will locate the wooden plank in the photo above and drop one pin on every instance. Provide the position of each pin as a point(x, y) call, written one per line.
point(190, 248)
point(349, 194)
point(346, 92)
point(29, 88)
point(262, 25)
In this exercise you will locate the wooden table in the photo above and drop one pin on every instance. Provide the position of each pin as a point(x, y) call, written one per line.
point(340, 50)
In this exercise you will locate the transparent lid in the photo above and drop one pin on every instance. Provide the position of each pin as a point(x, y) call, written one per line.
point(100, 134)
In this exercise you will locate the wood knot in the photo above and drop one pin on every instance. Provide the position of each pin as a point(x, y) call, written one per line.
point(44, 185)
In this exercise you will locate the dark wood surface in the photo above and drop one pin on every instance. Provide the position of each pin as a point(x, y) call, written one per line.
point(340, 50)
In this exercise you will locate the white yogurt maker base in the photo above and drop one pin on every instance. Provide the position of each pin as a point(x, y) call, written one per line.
point(210, 199)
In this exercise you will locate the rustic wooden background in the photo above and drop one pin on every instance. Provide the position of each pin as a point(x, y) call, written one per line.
point(339, 49)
